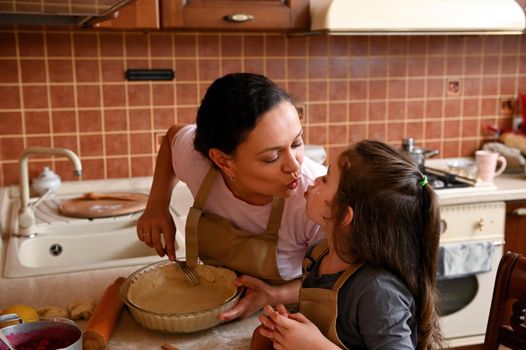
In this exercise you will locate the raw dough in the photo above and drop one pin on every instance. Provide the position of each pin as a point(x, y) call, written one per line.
point(166, 289)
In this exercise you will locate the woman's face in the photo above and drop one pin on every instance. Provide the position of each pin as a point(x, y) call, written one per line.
point(264, 164)
point(320, 195)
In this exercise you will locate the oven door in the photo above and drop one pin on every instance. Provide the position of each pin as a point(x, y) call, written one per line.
point(464, 304)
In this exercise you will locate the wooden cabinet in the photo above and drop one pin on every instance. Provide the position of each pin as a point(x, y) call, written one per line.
point(236, 15)
point(516, 226)
point(142, 14)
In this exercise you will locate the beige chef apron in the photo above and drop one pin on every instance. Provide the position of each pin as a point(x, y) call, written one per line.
point(320, 305)
point(216, 241)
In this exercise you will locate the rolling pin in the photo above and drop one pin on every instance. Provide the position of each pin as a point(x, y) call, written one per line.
point(102, 322)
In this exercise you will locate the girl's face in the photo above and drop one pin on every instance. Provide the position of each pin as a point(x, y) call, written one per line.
point(320, 195)
point(267, 163)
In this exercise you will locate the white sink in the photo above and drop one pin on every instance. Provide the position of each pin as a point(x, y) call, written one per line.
point(63, 245)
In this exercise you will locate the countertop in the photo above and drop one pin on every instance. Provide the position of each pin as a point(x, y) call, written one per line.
point(64, 289)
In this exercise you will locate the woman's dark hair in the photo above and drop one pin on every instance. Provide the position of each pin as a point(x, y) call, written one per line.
point(231, 108)
point(395, 225)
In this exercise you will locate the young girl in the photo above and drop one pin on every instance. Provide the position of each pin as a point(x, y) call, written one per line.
point(370, 284)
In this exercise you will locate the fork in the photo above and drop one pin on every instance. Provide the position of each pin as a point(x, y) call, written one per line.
point(189, 271)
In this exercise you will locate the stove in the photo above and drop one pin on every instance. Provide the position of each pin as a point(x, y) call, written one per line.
point(440, 180)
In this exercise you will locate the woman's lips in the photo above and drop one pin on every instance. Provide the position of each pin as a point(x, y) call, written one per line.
point(293, 185)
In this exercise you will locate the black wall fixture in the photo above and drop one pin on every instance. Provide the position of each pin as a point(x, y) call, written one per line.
point(150, 74)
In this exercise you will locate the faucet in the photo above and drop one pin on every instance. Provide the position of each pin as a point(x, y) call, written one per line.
point(26, 215)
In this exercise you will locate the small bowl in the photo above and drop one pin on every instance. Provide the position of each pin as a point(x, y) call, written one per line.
point(463, 167)
point(173, 322)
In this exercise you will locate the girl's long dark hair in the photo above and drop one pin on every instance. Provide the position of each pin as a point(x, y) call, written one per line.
point(395, 225)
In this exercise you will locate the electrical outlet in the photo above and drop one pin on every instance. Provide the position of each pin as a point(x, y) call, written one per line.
point(453, 87)
point(158, 140)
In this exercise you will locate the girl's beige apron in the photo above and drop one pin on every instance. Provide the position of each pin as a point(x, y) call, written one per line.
point(320, 305)
point(216, 241)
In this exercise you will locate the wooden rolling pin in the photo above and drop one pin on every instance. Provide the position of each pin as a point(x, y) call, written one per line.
point(102, 322)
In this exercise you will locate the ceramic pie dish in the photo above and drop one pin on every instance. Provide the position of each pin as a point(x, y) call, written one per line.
point(160, 298)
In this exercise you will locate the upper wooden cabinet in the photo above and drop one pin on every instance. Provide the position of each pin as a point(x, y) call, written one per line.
point(142, 14)
point(235, 15)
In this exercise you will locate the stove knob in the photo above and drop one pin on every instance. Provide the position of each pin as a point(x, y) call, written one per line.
point(481, 225)
point(443, 226)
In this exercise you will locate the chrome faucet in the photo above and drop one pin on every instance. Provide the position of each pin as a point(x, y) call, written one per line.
point(26, 215)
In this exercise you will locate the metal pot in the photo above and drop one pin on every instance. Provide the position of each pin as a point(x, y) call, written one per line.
point(60, 333)
point(416, 154)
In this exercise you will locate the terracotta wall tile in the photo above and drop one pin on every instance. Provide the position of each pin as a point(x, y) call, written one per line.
point(140, 119)
point(161, 45)
point(253, 65)
point(72, 90)
point(93, 169)
point(111, 45)
point(62, 96)
point(58, 45)
point(231, 45)
point(116, 144)
point(8, 47)
point(87, 71)
point(115, 120)
point(90, 121)
point(37, 122)
point(117, 167)
point(254, 45)
point(88, 96)
point(91, 145)
point(85, 45)
point(31, 44)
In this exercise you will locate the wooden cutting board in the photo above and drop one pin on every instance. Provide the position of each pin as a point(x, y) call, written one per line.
point(99, 208)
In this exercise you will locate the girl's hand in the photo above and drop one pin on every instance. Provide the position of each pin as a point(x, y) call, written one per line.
point(267, 324)
point(295, 331)
point(258, 294)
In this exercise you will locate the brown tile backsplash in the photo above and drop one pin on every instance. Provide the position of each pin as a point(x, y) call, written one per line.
point(67, 88)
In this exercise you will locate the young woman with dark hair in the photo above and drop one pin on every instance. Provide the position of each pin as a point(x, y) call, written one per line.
point(243, 162)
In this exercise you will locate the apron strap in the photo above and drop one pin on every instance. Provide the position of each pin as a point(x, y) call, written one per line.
point(315, 254)
point(274, 220)
point(345, 275)
point(204, 189)
point(191, 236)
point(194, 215)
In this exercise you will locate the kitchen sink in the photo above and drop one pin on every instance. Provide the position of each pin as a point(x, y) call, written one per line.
point(64, 244)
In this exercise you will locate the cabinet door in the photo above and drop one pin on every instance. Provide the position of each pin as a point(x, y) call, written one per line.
point(142, 14)
point(240, 15)
point(516, 226)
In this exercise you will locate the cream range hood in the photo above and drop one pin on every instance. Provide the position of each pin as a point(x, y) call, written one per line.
point(58, 12)
point(416, 17)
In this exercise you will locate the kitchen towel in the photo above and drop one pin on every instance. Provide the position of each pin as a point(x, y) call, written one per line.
point(465, 259)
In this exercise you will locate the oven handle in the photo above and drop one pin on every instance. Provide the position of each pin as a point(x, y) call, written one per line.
point(498, 243)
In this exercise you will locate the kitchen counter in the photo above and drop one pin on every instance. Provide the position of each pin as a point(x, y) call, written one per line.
point(64, 289)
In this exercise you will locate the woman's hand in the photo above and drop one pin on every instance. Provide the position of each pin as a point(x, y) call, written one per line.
point(258, 294)
point(294, 331)
point(154, 222)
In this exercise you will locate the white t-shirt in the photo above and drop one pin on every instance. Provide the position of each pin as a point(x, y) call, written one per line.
point(297, 232)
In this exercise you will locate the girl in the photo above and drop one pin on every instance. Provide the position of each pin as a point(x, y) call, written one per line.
point(370, 284)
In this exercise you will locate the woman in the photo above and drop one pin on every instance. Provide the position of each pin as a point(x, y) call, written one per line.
point(243, 162)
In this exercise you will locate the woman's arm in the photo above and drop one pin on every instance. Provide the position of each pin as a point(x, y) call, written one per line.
point(156, 219)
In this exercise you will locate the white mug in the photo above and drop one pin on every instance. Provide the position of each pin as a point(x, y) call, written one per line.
point(487, 164)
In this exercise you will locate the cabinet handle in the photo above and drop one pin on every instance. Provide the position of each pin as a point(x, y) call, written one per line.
point(238, 18)
point(519, 212)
